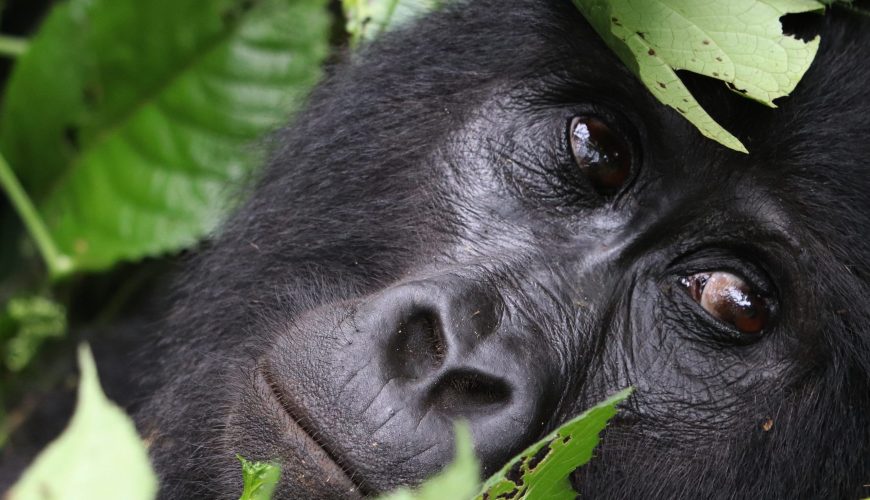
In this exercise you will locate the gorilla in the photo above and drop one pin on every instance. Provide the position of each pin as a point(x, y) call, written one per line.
point(485, 216)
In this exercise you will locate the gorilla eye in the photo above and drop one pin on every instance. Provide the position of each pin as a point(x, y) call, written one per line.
point(729, 299)
point(601, 154)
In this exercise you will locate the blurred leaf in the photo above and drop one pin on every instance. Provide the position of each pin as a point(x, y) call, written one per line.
point(127, 121)
point(25, 324)
point(260, 479)
point(739, 42)
point(367, 19)
point(459, 480)
point(98, 457)
point(542, 470)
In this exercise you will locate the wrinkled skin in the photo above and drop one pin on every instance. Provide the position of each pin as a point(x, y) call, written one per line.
point(423, 247)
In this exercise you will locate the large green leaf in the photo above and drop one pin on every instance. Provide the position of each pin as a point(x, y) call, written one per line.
point(542, 470)
point(737, 41)
point(130, 123)
point(98, 457)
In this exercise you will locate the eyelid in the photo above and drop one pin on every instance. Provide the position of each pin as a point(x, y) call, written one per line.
point(726, 258)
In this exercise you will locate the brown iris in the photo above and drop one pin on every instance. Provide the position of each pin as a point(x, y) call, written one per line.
point(729, 299)
point(601, 153)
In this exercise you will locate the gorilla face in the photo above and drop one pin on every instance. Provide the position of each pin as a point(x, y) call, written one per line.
point(487, 217)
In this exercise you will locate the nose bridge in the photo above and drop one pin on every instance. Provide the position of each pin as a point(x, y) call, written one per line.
point(469, 320)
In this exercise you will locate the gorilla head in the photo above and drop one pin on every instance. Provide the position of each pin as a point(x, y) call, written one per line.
point(487, 217)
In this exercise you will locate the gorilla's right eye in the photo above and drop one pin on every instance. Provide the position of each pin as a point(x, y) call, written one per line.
point(602, 154)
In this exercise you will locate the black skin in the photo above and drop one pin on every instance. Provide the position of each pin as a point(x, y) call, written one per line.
point(423, 247)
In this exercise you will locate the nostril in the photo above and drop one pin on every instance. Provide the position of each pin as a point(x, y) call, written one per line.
point(418, 345)
point(463, 392)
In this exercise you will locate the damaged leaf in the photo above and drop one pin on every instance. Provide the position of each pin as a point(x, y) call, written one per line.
point(542, 470)
point(739, 42)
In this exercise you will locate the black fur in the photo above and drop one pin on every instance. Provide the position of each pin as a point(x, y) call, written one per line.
point(433, 166)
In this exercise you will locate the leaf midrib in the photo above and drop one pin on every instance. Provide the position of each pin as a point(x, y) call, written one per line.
point(149, 97)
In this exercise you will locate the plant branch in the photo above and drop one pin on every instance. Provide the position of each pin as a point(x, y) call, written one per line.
point(59, 265)
point(12, 46)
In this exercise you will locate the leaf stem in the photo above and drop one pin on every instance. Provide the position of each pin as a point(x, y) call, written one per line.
point(59, 265)
point(11, 46)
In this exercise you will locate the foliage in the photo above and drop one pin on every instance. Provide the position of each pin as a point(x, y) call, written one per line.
point(540, 472)
point(128, 128)
point(368, 19)
point(98, 457)
point(127, 141)
point(25, 324)
point(260, 479)
point(458, 480)
point(739, 42)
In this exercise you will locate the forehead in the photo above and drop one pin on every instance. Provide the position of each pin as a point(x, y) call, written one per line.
point(812, 151)
point(810, 154)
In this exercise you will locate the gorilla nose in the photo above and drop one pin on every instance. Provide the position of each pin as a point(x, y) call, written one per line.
point(458, 356)
point(437, 339)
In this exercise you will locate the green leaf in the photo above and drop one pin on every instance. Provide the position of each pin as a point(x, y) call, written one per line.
point(129, 123)
point(98, 457)
point(260, 479)
point(544, 467)
point(460, 479)
point(739, 42)
point(27, 322)
point(368, 19)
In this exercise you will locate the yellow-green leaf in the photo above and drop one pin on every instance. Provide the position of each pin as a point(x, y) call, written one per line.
point(98, 457)
point(459, 480)
point(367, 19)
point(737, 41)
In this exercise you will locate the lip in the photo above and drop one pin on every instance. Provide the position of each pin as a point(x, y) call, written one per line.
point(317, 460)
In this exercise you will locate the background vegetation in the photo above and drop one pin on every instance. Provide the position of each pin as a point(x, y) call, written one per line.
point(126, 129)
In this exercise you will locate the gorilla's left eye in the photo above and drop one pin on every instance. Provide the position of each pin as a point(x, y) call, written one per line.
point(602, 154)
point(730, 299)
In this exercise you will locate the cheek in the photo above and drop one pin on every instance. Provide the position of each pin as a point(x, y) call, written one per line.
point(677, 367)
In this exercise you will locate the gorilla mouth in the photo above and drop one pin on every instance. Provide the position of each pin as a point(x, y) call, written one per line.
point(319, 465)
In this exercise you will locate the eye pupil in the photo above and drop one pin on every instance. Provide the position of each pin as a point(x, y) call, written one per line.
point(729, 299)
point(600, 153)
